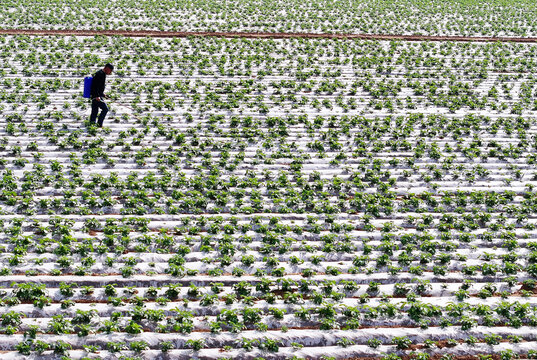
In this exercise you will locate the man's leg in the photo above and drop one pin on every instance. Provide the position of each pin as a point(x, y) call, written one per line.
point(94, 110)
point(104, 110)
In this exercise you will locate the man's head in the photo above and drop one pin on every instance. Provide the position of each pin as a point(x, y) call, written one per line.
point(108, 68)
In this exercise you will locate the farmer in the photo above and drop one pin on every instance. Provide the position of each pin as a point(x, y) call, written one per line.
point(97, 94)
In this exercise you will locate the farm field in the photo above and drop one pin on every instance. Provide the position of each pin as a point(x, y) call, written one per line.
point(432, 17)
point(275, 199)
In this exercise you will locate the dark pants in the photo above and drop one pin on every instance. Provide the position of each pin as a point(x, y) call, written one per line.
point(95, 105)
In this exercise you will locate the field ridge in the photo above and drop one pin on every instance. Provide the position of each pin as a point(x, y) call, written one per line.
point(264, 35)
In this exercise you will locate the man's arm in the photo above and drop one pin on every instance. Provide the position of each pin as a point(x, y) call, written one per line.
point(94, 86)
point(101, 89)
point(97, 85)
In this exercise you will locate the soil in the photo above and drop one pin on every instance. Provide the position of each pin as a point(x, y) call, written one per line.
point(263, 35)
point(433, 357)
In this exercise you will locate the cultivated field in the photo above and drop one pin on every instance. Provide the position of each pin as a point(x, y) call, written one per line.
point(269, 199)
point(430, 17)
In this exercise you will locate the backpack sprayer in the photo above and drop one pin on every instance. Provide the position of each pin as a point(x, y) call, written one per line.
point(87, 91)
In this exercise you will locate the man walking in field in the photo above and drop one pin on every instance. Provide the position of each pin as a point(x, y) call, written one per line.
point(97, 94)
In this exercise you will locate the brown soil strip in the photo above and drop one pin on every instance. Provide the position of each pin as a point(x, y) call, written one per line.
point(263, 35)
point(435, 357)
